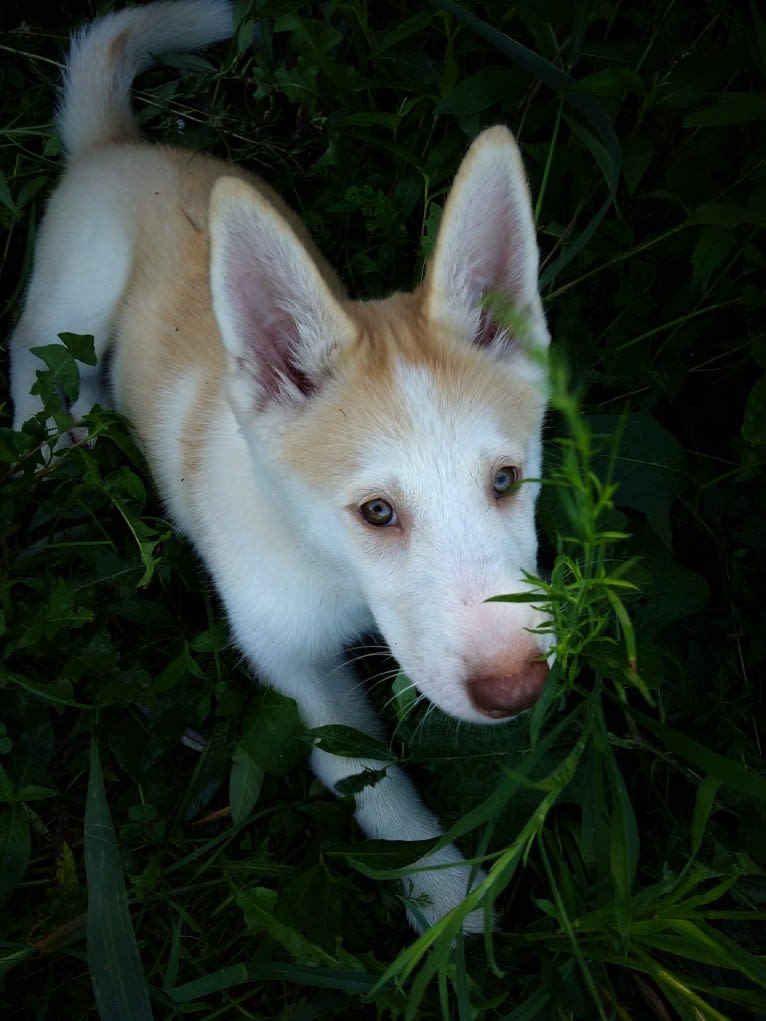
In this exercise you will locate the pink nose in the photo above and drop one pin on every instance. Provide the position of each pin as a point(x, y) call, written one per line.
point(503, 695)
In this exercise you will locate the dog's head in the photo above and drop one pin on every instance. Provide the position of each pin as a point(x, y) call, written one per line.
point(404, 434)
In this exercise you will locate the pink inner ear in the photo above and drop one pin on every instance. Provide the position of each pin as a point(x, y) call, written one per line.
point(502, 260)
point(497, 270)
point(258, 299)
point(487, 244)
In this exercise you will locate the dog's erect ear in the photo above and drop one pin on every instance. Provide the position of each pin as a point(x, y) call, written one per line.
point(486, 257)
point(280, 322)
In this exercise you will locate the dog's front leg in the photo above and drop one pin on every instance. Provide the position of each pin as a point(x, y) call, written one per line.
point(391, 808)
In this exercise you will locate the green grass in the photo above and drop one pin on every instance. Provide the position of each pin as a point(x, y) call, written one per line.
point(622, 821)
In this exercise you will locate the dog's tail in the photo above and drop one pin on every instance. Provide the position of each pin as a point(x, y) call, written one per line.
point(106, 56)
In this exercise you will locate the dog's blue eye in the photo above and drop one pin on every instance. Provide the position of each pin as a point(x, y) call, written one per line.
point(506, 479)
point(378, 512)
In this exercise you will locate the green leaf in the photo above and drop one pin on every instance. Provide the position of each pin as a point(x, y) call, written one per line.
point(731, 108)
point(211, 771)
point(32, 753)
point(113, 959)
point(338, 739)
point(35, 792)
point(81, 346)
point(611, 81)
point(405, 695)
point(719, 215)
point(355, 983)
point(272, 733)
point(189, 62)
point(711, 249)
point(703, 943)
point(651, 468)
point(551, 690)
point(476, 92)
point(637, 155)
point(591, 142)
point(15, 848)
point(245, 784)
point(7, 787)
point(725, 770)
point(669, 592)
point(312, 902)
point(356, 782)
point(754, 422)
point(12, 445)
point(381, 859)
point(556, 976)
point(62, 369)
point(257, 906)
point(57, 692)
point(6, 199)
point(703, 805)
point(413, 25)
point(624, 849)
point(389, 121)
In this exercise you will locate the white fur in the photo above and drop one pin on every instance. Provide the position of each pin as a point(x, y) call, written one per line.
point(432, 606)
point(140, 34)
point(271, 409)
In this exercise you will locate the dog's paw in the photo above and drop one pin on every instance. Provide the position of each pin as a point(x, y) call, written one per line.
point(476, 922)
point(436, 890)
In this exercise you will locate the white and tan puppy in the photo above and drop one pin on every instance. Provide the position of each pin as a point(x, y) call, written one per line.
point(340, 466)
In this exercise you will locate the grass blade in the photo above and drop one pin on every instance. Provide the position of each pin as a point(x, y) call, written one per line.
point(726, 770)
point(563, 85)
point(115, 966)
point(15, 848)
point(354, 983)
point(703, 806)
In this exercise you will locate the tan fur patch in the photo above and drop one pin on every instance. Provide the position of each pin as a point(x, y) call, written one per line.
point(167, 331)
point(165, 321)
point(364, 398)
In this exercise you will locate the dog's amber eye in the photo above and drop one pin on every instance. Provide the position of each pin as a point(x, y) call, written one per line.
point(506, 479)
point(378, 512)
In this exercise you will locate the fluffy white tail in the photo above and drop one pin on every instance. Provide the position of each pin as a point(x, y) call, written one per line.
point(107, 55)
